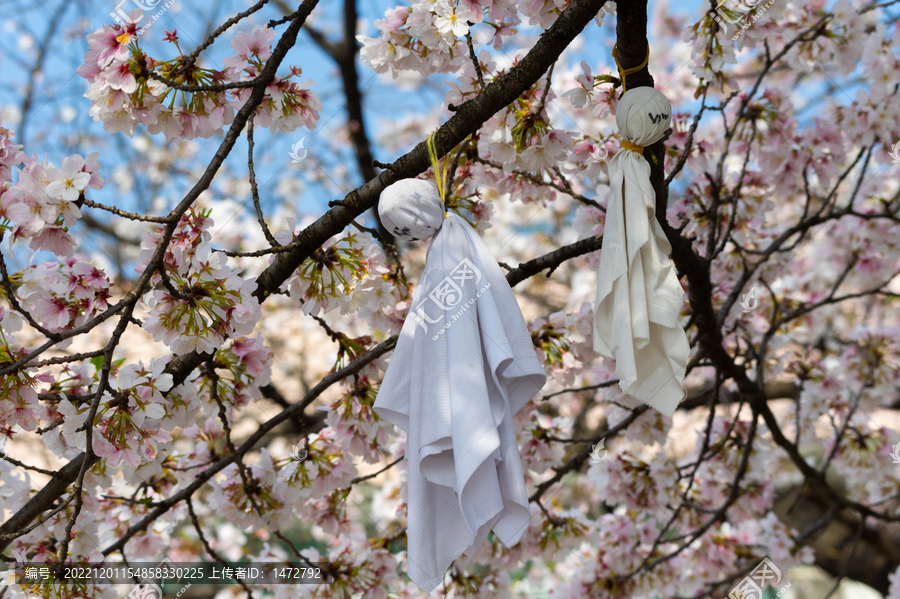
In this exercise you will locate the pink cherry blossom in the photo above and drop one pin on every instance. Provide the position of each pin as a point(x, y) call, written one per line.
point(68, 181)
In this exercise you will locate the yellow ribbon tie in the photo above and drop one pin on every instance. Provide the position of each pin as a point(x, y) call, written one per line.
point(633, 147)
point(440, 172)
point(625, 72)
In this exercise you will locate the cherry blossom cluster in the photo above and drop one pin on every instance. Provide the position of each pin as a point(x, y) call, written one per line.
point(584, 94)
point(9, 153)
point(635, 530)
point(717, 472)
point(424, 37)
point(341, 273)
point(128, 427)
point(649, 429)
point(844, 392)
point(71, 381)
point(330, 513)
point(257, 504)
point(240, 369)
point(861, 452)
point(44, 203)
point(633, 482)
point(564, 342)
point(205, 301)
point(525, 141)
point(542, 540)
point(316, 485)
point(373, 568)
point(18, 396)
point(131, 414)
point(358, 429)
point(589, 221)
point(473, 209)
point(354, 269)
point(282, 486)
point(128, 87)
point(62, 295)
point(325, 468)
point(192, 231)
point(386, 300)
point(287, 105)
point(249, 364)
point(594, 568)
point(207, 437)
point(536, 448)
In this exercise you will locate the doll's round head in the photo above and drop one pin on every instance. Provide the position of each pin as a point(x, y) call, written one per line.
point(411, 209)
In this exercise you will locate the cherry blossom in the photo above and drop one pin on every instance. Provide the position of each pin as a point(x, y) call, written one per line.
point(581, 95)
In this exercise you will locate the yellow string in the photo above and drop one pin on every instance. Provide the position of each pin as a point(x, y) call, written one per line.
point(625, 72)
point(440, 171)
point(632, 146)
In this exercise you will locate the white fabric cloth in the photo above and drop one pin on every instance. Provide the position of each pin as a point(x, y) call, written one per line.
point(463, 366)
point(411, 209)
point(639, 297)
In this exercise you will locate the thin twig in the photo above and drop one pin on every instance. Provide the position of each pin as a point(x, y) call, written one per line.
point(360, 479)
point(16, 462)
point(25, 531)
point(474, 58)
point(254, 191)
point(247, 478)
point(129, 215)
point(191, 58)
point(208, 547)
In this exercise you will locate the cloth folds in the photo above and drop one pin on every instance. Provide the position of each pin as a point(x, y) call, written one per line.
point(639, 297)
point(464, 365)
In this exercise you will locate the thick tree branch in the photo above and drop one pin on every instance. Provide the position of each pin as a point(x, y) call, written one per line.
point(553, 259)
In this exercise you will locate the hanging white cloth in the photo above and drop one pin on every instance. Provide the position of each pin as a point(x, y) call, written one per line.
point(639, 297)
point(464, 365)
